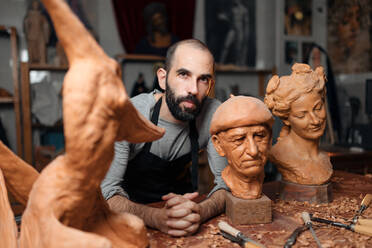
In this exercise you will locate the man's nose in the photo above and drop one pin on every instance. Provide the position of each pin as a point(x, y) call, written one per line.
point(192, 87)
point(251, 147)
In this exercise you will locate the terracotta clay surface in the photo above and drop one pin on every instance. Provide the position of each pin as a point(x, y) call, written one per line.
point(348, 191)
point(241, 132)
point(299, 100)
point(65, 207)
point(243, 212)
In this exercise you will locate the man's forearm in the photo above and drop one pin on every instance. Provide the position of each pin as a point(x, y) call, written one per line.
point(121, 204)
point(212, 206)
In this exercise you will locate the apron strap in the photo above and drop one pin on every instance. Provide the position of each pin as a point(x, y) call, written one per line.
point(154, 120)
point(194, 154)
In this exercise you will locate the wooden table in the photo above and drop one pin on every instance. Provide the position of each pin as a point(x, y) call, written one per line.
point(348, 191)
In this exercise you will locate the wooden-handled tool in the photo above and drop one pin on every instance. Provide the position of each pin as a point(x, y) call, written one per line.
point(365, 222)
point(306, 218)
point(359, 228)
point(363, 206)
point(237, 236)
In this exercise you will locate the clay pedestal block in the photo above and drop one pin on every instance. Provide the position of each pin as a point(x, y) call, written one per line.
point(242, 212)
point(310, 193)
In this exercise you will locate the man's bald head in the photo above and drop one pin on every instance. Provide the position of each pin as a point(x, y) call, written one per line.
point(239, 111)
point(190, 42)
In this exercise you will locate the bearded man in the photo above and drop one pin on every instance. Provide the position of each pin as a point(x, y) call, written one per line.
point(151, 172)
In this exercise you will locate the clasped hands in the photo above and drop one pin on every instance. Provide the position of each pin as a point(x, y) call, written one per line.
point(180, 216)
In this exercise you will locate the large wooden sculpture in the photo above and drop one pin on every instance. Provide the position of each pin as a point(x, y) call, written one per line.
point(241, 132)
point(299, 101)
point(65, 207)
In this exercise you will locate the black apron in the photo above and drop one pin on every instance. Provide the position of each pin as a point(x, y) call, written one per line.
point(149, 177)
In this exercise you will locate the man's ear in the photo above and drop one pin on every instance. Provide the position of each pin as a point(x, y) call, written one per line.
point(162, 75)
point(218, 145)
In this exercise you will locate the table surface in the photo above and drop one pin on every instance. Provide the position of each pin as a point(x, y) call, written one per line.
point(348, 192)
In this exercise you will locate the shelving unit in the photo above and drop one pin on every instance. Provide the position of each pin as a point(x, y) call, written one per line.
point(12, 32)
point(26, 105)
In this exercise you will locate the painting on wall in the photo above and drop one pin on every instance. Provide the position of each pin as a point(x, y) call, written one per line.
point(291, 52)
point(350, 35)
point(298, 17)
point(231, 31)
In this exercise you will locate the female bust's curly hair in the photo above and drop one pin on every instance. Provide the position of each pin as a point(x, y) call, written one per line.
point(281, 92)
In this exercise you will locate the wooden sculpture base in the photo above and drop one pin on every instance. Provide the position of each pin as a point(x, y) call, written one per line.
point(310, 193)
point(241, 211)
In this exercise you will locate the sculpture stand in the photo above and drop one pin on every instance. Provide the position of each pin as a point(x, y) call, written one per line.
point(242, 211)
point(310, 193)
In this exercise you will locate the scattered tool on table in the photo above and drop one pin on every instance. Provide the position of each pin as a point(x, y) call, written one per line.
point(292, 239)
point(359, 228)
point(237, 236)
point(306, 217)
point(363, 206)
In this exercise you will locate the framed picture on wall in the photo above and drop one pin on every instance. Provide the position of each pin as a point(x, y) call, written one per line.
point(231, 31)
point(350, 35)
point(298, 17)
point(291, 52)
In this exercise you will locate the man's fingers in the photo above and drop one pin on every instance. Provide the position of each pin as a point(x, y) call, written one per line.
point(191, 196)
point(193, 228)
point(193, 218)
point(178, 213)
point(175, 201)
point(177, 233)
point(168, 196)
point(178, 224)
point(188, 205)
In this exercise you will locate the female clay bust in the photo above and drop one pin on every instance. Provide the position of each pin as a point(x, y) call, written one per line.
point(299, 101)
point(241, 132)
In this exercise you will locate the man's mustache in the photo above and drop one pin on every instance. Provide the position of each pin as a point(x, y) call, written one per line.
point(191, 98)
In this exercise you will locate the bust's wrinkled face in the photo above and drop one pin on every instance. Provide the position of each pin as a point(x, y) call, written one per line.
point(246, 148)
point(308, 116)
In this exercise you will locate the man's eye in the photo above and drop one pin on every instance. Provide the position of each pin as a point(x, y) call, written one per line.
point(204, 80)
point(182, 74)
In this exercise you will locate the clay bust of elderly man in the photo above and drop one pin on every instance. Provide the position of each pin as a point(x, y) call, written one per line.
point(241, 132)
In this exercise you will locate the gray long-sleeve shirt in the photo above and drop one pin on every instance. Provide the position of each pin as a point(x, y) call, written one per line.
point(174, 144)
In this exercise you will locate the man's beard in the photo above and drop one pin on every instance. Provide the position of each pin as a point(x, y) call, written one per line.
point(186, 114)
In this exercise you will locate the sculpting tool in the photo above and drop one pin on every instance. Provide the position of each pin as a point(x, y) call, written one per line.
point(237, 236)
point(363, 229)
point(292, 239)
point(363, 206)
point(307, 221)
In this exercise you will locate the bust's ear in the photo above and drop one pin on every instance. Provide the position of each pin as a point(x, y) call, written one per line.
point(218, 145)
point(162, 75)
point(286, 122)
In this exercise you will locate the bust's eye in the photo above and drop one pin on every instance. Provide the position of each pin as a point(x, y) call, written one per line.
point(299, 115)
point(260, 134)
point(239, 140)
point(319, 106)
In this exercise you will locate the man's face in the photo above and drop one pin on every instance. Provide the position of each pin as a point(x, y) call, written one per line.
point(246, 148)
point(188, 81)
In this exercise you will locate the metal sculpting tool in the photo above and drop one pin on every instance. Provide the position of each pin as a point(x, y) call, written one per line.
point(292, 239)
point(307, 221)
point(363, 206)
point(237, 236)
point(361, 228)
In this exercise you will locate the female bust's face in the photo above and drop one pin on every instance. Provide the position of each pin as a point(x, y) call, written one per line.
point(308, 116)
